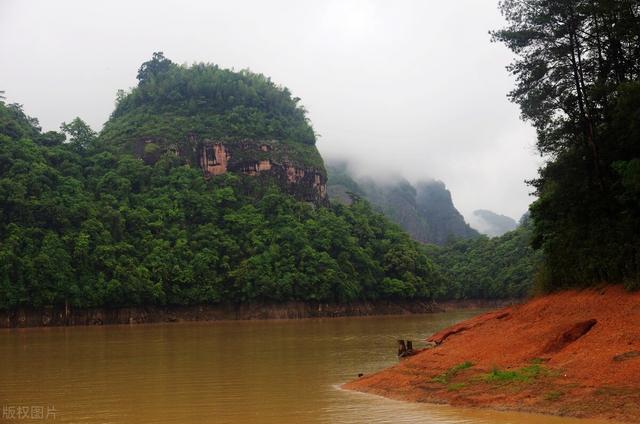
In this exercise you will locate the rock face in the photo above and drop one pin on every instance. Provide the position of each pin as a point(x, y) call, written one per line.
point(271, 160)
point(260, 158)
point(214, 159)
point(434, 201)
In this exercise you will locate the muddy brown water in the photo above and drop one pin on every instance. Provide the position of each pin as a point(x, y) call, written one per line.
point(285, 371)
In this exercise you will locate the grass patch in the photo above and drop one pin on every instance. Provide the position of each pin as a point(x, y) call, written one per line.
point(524, 374)
point(553, 395)
point(452, 372)
point(454, 387)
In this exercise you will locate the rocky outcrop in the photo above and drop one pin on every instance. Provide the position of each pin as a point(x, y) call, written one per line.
point(299, 173)
point(267, 159)
point(214, 159)
point(434, 201)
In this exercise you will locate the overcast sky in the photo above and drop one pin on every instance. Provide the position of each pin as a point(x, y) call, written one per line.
point(407, 87)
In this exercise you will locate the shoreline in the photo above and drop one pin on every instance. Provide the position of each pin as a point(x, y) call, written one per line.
point(574, 353)
point(522, 410)
point(56, 317)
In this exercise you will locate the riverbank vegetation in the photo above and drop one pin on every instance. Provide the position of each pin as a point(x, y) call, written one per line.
point(86, 226)
point(489, 268)
point(578, 83)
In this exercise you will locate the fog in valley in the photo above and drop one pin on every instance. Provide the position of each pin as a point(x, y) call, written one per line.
point(410, 88)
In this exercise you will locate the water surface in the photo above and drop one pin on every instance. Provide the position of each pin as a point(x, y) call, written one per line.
point(221, 372)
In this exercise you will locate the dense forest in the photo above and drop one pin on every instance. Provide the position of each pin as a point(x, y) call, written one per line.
point(84, 226)
point(474, 266)
point(85, 222)
point(174, 107)
point(495, 268)
point(217, 102)
point(578, 82)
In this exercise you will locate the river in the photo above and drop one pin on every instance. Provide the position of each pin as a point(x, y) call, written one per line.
point(285, 371)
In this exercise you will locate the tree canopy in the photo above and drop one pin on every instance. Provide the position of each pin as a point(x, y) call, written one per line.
point(85, 221)
point(87, 226)
point(577, 73)
point(173, 103)
point(495, 268)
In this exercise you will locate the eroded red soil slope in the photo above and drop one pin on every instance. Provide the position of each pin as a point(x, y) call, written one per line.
point(572, 353)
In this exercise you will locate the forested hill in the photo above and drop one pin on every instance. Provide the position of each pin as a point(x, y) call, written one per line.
point(88, 220)
point(227, 206)
point(221, 121)
point(483, 267)
point(425, 211)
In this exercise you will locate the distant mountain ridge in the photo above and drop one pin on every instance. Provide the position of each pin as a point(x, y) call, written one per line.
point(425, 211)
point(491, 223)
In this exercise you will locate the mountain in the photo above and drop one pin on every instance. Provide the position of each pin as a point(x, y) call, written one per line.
point(204, 187)
point(491, 223)
point(434, 202)
point(425, 211)
point(473, 265)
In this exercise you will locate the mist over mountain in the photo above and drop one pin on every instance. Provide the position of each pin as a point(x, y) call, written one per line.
point(425, 209)
point(491, 223)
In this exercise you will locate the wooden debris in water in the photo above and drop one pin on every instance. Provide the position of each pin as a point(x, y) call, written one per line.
point(405, 349)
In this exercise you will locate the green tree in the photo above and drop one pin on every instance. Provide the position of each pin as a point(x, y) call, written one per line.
point(578, 68)
point(80, 134)
point(154, 67)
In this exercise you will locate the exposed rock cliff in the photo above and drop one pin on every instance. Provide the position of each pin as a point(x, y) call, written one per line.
point(433, 200)
point(270, 159)
point(263, 158)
